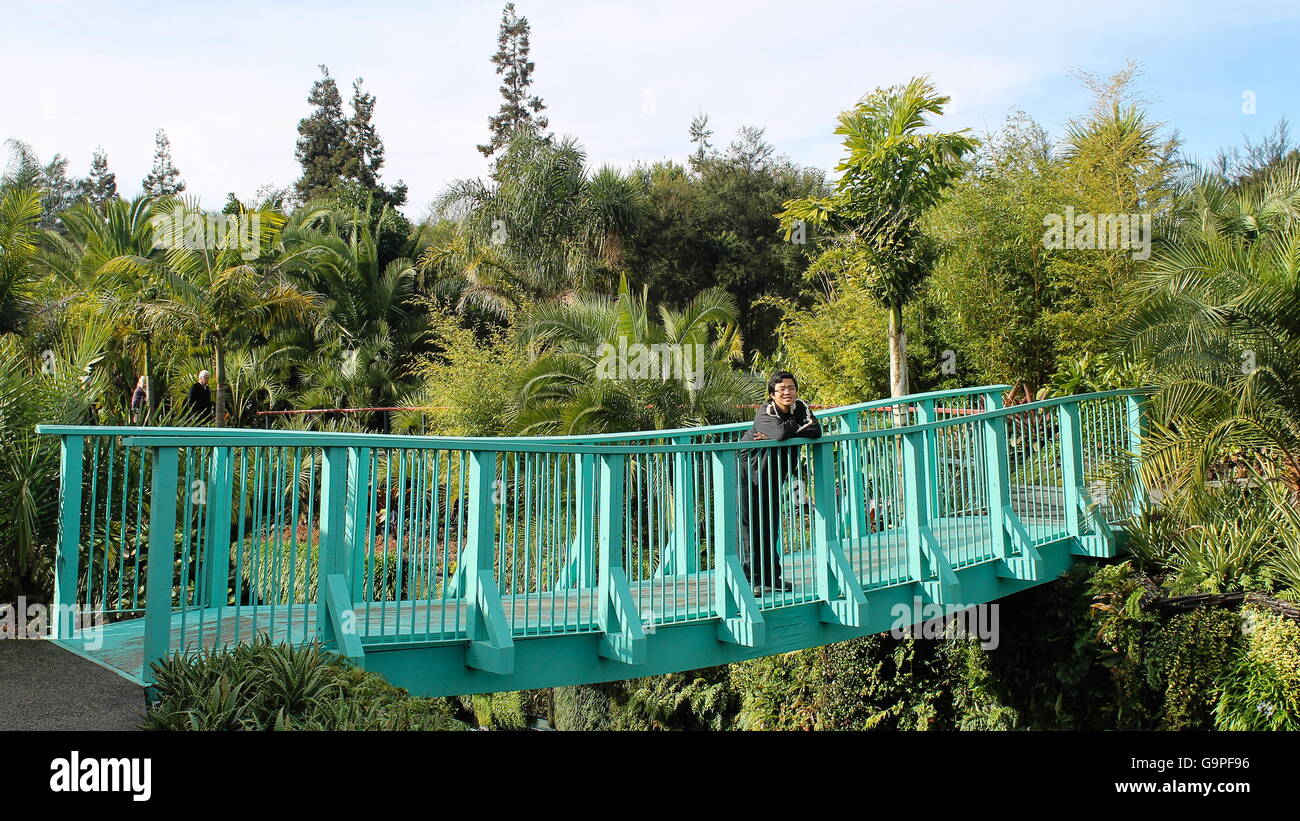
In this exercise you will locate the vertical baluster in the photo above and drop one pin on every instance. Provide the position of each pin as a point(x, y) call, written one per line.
point(162, 555)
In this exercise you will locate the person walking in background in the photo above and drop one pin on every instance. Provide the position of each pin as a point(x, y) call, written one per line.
point(139, 400)
point(198, 403)
point(763, 472)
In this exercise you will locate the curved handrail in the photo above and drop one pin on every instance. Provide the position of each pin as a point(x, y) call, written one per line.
point(210, 436)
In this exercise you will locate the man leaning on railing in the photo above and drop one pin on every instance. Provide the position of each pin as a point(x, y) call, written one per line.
point(762, 473)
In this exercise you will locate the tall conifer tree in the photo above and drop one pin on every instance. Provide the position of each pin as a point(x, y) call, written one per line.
point(511, 60)
point(366, 149)
point(334, 150)
point(323, 146)
point(101, 186)
point(164, 179)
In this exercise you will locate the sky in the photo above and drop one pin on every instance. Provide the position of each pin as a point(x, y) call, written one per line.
point(229, 81)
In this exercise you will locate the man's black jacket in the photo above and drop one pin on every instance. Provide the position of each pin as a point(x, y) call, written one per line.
point(199, 400)
point(775, 464)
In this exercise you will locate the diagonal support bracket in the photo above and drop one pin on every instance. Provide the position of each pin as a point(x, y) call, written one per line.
point(343, 620)
point(490, 647)
point(1028, 565)
point(1100, 542)
point(848, 604)
point(743, 624)
point(945, 588)
point(624, 638)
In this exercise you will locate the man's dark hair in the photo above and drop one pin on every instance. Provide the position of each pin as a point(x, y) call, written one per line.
point(777, 379)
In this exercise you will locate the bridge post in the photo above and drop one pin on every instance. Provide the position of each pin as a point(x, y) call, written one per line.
point(925, 556)
point(1005, 526)
point(681, 556)
point(161, 558)
point(914, 506)
point(993, 397)
point(1071, 436)
point(1136, 406)
point(68, 563)
point(842, 599)
point(329, 559)
point(623, 637)
point(579, 569)
point(740, 620)
point(999, 482)
point(490, 645)
point(356, 523)
point(855, 495)
point(1077, 498)
point(925, 413)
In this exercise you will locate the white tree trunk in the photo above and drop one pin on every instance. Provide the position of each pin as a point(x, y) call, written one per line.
point(897, 353)
point(897, 361)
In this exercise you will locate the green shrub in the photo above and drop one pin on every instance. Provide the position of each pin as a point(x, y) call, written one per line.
point(1188, 654)
point(692, 700)
point(499, 711)
point(1260, 688)
point(582, 707)
point(266, 686)
point(875, 682)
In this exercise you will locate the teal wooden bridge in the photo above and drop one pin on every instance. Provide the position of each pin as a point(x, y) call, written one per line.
point(459, 565)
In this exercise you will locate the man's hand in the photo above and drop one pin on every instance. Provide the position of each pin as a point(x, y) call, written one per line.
point(760, 436)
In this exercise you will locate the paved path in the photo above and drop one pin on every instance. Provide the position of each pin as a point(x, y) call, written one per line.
point(44, 687)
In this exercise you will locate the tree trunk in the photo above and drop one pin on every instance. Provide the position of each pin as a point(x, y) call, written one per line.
point(218, 376)
point(897, 361)
point(897, 352)
point(148, 382)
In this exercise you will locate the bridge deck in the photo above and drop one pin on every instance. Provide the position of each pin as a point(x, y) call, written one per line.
point(878, 559)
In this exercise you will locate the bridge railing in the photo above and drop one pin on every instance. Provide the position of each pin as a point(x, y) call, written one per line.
point(369, 541)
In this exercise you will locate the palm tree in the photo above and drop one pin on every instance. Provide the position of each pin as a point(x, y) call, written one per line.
point(369, 330)
point(583, 383)
point(892, 174)
point(60, 389)
point(1216, 321)
point(541, 229)
point(216, 296)
point(20, 215)
point(92, 237)
point(79, 257)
